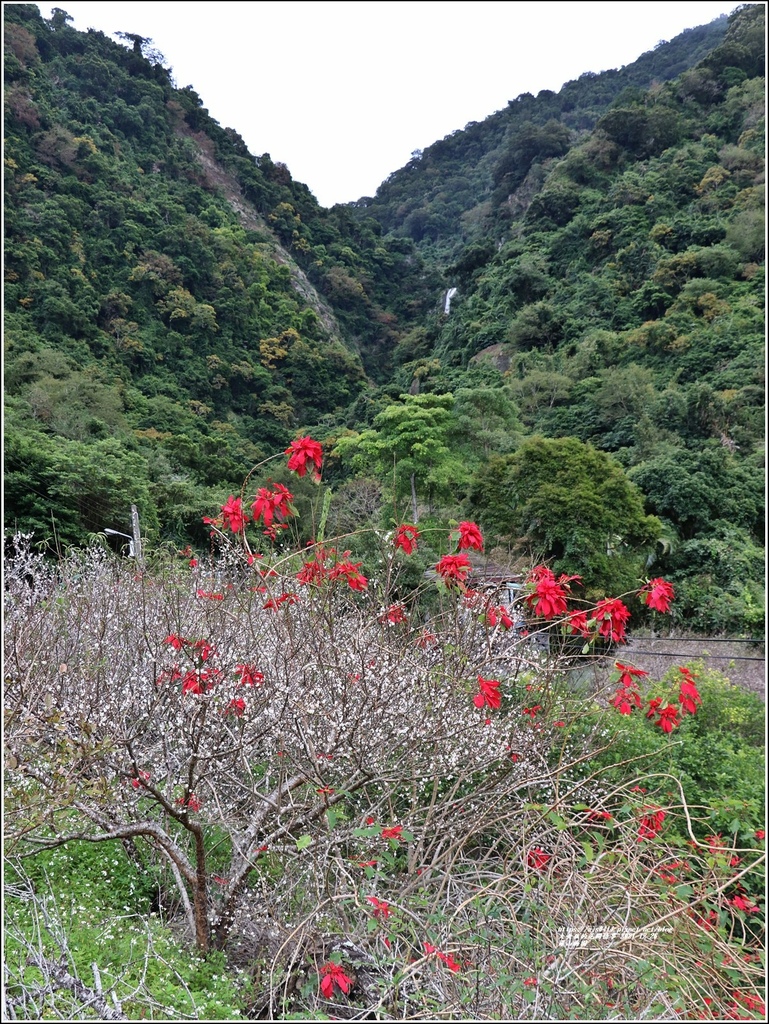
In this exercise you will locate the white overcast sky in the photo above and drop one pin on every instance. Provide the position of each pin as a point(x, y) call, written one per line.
point(343, 92)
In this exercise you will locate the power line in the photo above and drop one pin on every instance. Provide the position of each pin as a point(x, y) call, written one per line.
point(721, 657)
point(700, 639)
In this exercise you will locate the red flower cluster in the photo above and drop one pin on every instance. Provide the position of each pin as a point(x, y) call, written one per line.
point(668, 716)
point(537, 859)
point(744, 904)
point(305, 454)
point(249, 675)
point(200, 680)
point(191, 802)
point(233, 515)
point(470, 537)
point(271, 505)
point(498, 614)
point(350, 571)
point(381, 909)
point(548, 599)
point(489, 693)
point(394, 832)
point(142, 777)
point(236, 707)
point(395, 613)
point(657, 594)
point(316, 572)
point(688, 694)
point(445, 957)
point(755, 1004)
point(453, 569)
point(406, 537)
point(578, 623)
point(275, 602)
point(627, 697)
point(333, 974)
point(612, 615)
point(650, 825)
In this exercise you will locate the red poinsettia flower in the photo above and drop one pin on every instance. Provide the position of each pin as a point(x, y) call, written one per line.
point(499, 615)
point(305, 454)
point(236, 706)
point(191, 802)
point(395, 613)
point(233, 515)
point(470, 537)
point(406, 537)
point(200, 681)
point(668, 716)
point(350, 571)
point(598, 815)
point(249, 675)
point(312, 572)
point(381, 909)
point(578, 624)
point(658, 594)
point(753, 1003)
point(612, 615)
point(627, 672)
point(275, 602)
point(489, 693)
point(689, 696)
point(445, 957)
point(549, 596)
point(453, 569)
point(537, 858)
point(744, 903)
point(192, 683)
point(271, 504)
point(203, 649)
point(625, 700)
point(331, 975)
point(650, 824)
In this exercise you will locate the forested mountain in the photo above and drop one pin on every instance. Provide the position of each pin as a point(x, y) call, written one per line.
point(447, 192)
point(177, 309)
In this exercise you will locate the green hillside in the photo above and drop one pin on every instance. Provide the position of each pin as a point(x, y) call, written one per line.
point(178, 309)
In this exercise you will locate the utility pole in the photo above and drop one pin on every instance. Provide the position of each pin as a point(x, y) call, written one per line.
point(136, 534)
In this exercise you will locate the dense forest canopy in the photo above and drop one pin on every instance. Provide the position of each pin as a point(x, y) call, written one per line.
point(178, 309)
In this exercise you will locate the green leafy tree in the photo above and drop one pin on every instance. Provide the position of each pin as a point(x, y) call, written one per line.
point(571, 504)
point(410, 440)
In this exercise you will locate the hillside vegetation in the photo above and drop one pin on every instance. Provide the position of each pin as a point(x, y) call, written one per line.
point(345, 737)
point(177, 308)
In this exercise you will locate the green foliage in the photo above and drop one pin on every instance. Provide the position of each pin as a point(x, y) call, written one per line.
point(717, 755)
point(571, 504)
point(605, 242)
point(411, 441)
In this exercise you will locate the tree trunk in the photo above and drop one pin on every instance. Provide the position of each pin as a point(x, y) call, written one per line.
point(414, 500)
point(201, 893)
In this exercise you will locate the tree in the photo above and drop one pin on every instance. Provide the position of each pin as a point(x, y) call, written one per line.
point(410, 440)
point(570, 503)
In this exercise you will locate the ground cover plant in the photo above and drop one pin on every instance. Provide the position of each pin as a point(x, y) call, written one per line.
point(280, 783)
